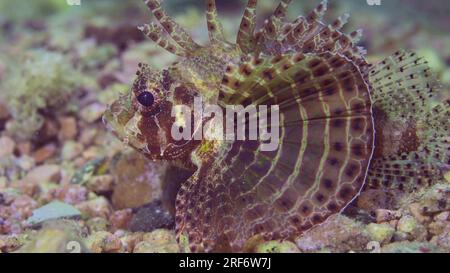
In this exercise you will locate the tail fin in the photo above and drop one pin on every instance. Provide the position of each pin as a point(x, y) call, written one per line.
point(412, 147)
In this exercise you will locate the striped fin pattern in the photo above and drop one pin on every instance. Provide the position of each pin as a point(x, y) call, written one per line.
point(175, 31)
point(215, 28)
point(326, 140)
point(412, 148)
point(246, 31)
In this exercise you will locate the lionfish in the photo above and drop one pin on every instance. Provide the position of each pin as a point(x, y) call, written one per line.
point(344, 124)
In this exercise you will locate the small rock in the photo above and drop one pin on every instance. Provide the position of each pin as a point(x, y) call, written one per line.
point(68, 128)
point(22, 207)
point(160, 237)
point(381, 233)
point(60, 236)
point(407, 224)
point(138, 181)
point(438, 227)
point(158, 241)
point(436, 199)
point(24, 147)
point(146, 247)
point(71, 149)
point(129, 241)
point(53, 211)
point(92, 112)
point(44, 173)
point(277, 247)
point(88, 135)
point(151, 217)
point(337, 234)
point(410, 247)
point(4, 112)
point(44, 153)
point(70, 194)
point(91, 153)
point(97, 224)
point(400, 236)
point(26, 163)
point(443, 240)
point(417, 211)
point(9, 243)
point(98, 207)
point(384, 215)
point(103, 241)
point(7, 146)
point(101, 183)
point(120, 219)
point(443, 216)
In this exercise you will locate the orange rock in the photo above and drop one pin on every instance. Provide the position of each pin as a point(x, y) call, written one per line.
point(138, 181)
point(7, 146)
point(44, 153)
point(69, 128)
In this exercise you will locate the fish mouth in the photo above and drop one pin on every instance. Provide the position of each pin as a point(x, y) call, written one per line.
point(121, 119)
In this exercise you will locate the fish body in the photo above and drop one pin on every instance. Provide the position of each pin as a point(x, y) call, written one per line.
point(343, 124)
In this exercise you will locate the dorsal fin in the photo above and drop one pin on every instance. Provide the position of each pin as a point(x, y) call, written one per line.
point(155, 33)
point(175, 31)
point(215, 29)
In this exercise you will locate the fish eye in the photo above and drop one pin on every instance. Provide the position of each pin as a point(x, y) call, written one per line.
point(146, 99)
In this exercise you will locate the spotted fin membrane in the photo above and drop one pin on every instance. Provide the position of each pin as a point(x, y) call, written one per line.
point(412, 148)
point(333, 135)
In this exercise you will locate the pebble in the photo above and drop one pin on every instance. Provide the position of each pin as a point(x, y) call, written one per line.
point(70, 194)
point(277, 247)
point(44, 153)
point(69, 128)
point(97, 224)
point(71, 149)
point(417, 211)
point(138, 181)
point(22, 207)
point(338, 234)
point(158, 241)
point(87, 136)
point(59, 236)
point(410, 247)
point(443, 216)
point(44, 173)
point(92, 112)
point(150, 217)
point(146, 247)
point(129, 241)
point(103, 241)
point(120, 219)
point(26, 163)
point(438, 227)
point(9, 243)
point(98, 207)
point(381, 233)
point(384, 215)
point(91, 153)
point(407, 224)
point(24, 147)
point(7, 146)
point(101, 183)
